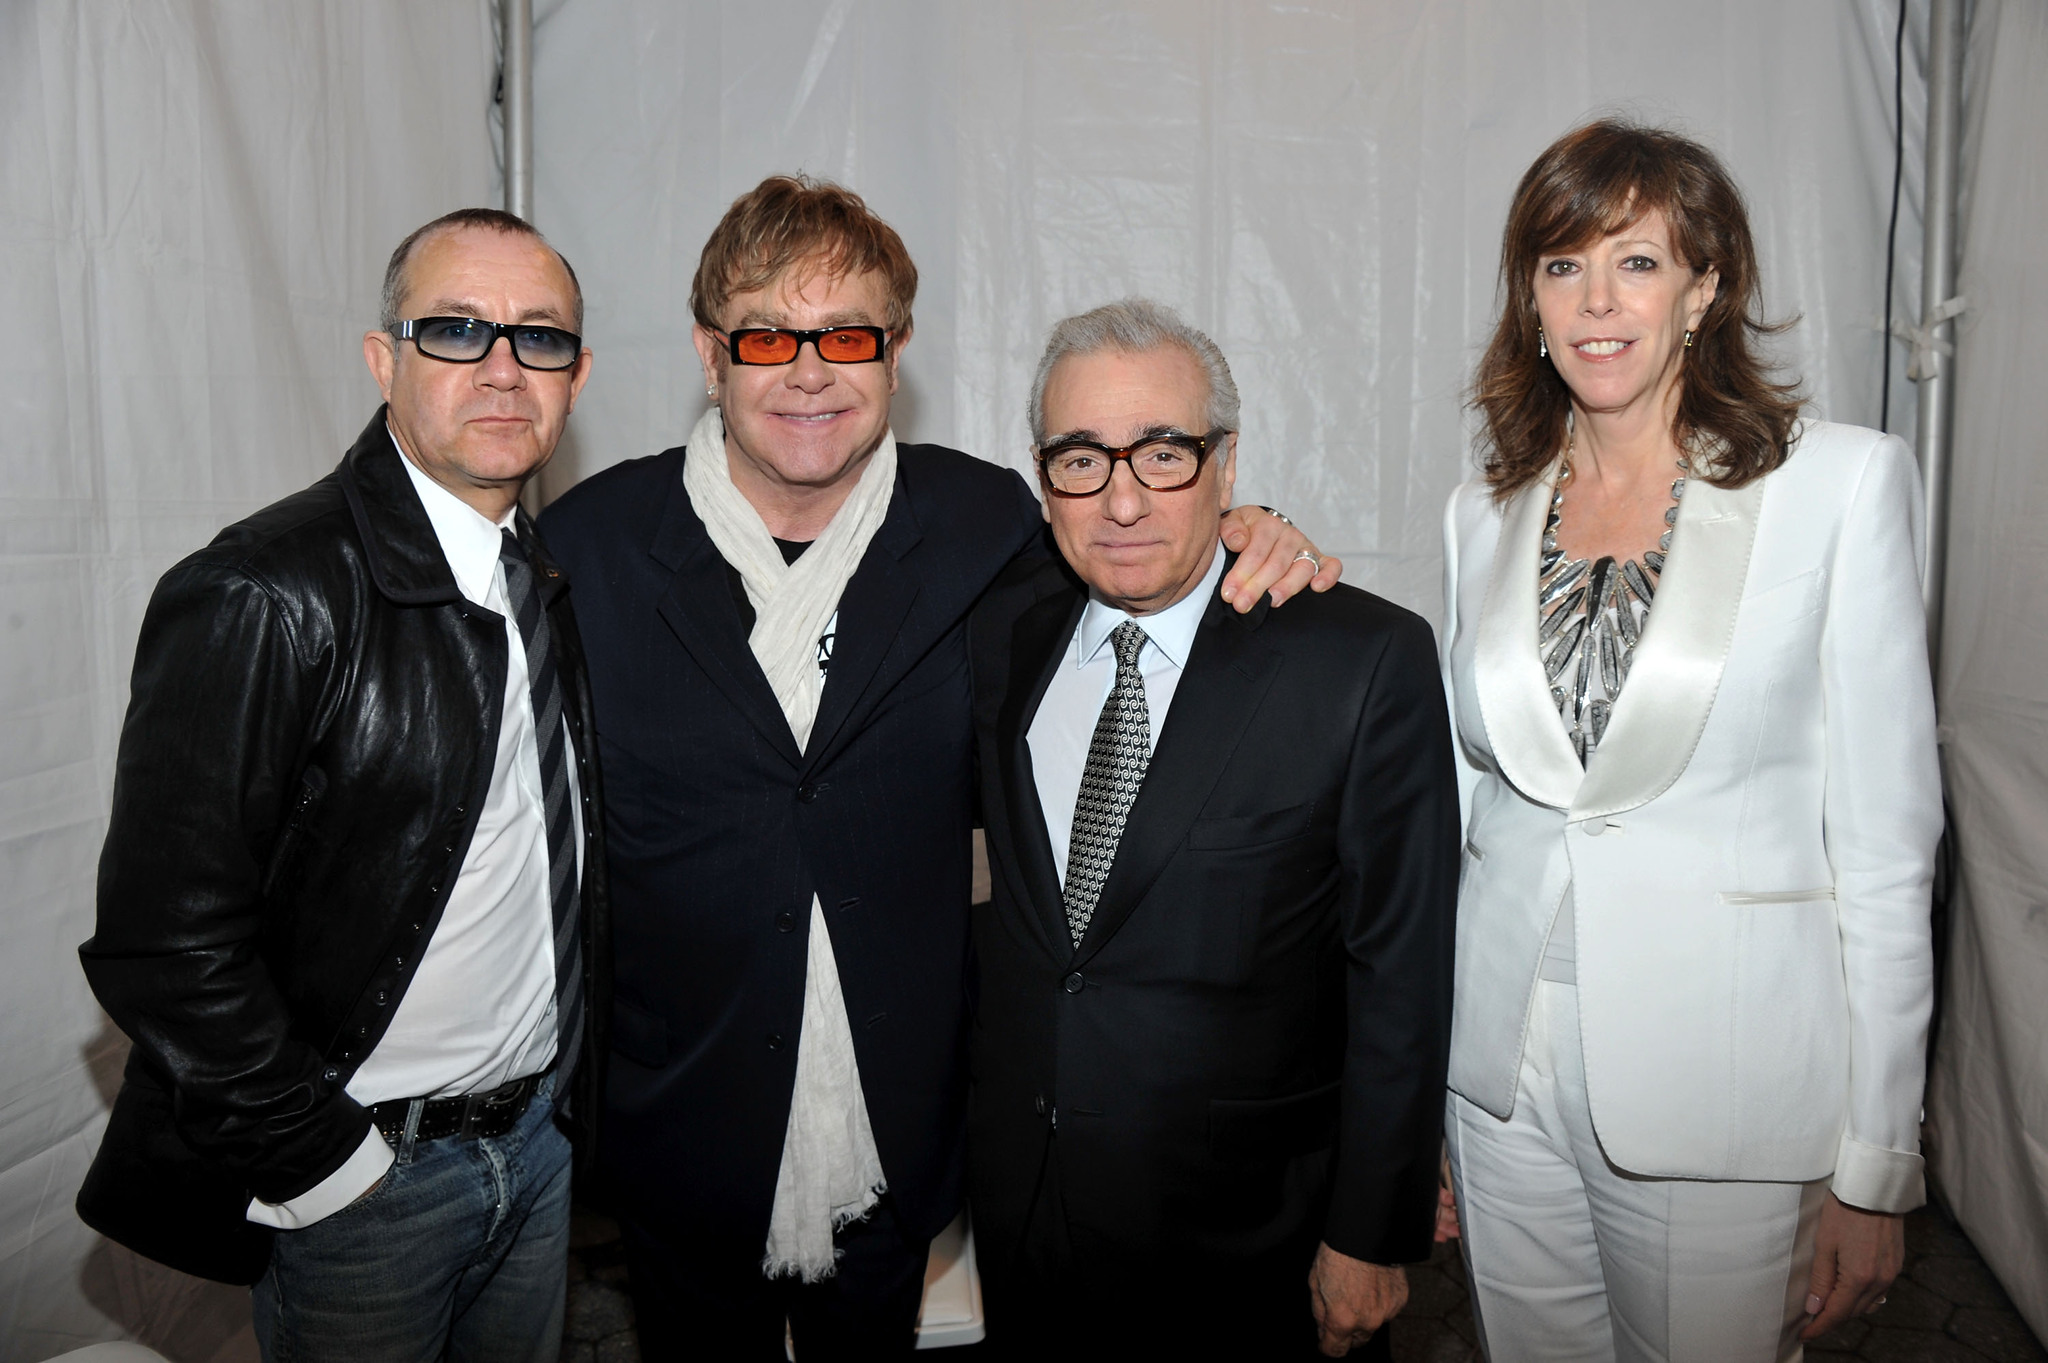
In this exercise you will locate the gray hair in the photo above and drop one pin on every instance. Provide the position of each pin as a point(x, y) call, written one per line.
point(1134, 325)
point(398, 273)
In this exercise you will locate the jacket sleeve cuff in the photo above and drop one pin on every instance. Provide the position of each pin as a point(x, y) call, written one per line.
point(1874, 1179)
point(357, 1174)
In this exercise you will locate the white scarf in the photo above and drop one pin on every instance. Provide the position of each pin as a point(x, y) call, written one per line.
point(831, 1172)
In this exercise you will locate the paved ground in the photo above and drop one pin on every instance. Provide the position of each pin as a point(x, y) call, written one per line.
point(1946, 1308)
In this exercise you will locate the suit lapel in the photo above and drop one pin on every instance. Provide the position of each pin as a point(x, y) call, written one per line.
point(871, 613)
point(1522, 727)
point(1227, 675)
point(1037, 647)
point(1671, 686)
point(697, 606)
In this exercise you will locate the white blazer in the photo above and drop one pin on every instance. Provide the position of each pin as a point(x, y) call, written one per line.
point(1751, 847)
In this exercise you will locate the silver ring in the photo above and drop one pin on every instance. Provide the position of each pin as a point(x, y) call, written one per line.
point(1310, 556)
point(1279, 516)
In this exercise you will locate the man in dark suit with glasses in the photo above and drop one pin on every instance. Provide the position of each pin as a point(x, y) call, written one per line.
point(1214, 978)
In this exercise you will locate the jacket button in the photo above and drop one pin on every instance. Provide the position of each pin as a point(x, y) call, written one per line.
point(1074, 984)
point(401, 963)
point(462, 809)
point(1038, 1103)
point(774, 1041)
point(807, 793)
point(364, 1030)
point(431, 889)
point(383, 997)
point(415, 927)
point(330, 1073)
point(785, 922)
point(348, 1055)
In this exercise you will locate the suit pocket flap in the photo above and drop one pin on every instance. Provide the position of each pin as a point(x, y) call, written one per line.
point(1738, 897)
point(1274, 1128)
point(1250, 830)
point(638, 1035)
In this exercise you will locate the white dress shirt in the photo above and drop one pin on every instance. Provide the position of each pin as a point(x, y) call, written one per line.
point(1065, 724)
point(480, 1010)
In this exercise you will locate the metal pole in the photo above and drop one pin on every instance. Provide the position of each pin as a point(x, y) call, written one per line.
point(1936, 418)
point(515, 22)
point(515, 87)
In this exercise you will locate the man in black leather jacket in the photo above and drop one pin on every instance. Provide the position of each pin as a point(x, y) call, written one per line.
point(352, 903)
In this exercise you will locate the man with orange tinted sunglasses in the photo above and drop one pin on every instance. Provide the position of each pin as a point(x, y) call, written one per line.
point(774, 622)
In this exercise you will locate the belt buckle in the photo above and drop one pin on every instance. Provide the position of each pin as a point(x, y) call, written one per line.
point(478, 1108)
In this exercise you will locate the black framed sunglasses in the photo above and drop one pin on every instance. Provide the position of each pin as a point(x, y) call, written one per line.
point(778, 345)
point(1163, 463)
point(466, 340)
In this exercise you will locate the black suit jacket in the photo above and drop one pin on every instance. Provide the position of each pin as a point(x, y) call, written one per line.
point(309, 741)
point(1247, 1050)
point(721, 832)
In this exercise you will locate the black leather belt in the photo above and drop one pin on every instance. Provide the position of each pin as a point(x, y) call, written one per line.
point(473, 1114)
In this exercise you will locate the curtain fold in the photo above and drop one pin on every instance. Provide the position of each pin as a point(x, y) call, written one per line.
point(1988, 1095)
point(196, 200)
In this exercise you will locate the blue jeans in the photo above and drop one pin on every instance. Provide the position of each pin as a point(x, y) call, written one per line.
point(461, 1254)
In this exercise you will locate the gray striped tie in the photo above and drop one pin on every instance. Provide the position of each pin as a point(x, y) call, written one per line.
point(546, 684)
point(1117, 758)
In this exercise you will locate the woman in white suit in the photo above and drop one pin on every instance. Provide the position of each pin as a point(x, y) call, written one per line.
point(1686, 653)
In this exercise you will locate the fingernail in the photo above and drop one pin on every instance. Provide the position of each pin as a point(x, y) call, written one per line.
point(1229, 593)
point(1813, 1304)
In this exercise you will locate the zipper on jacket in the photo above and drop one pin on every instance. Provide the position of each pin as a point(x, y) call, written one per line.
point(312, 786)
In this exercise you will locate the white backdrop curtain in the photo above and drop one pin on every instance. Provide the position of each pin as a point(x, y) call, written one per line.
point(1320, 186)
point(196, 200)
point(198, 196)
point(1988, 1101)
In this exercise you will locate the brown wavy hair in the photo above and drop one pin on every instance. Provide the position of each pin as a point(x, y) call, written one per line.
point(793, 222)
point(1592, 182)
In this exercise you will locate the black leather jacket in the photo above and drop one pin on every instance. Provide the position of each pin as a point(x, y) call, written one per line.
point(309, 741)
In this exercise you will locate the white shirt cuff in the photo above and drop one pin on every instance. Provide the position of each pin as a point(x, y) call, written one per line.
point(357, 1175)
point(1874, 1179)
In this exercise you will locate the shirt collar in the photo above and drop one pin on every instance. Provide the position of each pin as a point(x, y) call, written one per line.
point(1172, 630)
point(469, 541)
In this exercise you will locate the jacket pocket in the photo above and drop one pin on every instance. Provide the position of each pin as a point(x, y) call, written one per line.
point(1743, 898)
point(1250, 830)
point(1794, 598)
point(638, 1035)
point(1273, 1128)
point(292, 841)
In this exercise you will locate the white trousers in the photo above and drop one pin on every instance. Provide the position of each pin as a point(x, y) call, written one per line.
point(1572, 1260)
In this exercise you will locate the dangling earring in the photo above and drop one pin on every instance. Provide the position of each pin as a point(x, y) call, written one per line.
point(1543, 346)
point(1688, 340)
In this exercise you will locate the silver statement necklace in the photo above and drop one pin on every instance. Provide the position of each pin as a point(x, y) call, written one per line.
point(1591, 613)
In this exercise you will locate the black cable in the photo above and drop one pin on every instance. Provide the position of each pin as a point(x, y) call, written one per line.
point(1891, 236)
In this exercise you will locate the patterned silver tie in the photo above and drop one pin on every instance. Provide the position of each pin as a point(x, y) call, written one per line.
point(1117, 757)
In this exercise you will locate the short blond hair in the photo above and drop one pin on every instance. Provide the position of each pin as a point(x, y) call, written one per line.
point(795, 223)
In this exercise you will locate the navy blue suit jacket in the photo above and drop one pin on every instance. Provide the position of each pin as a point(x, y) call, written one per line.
point(721, 831)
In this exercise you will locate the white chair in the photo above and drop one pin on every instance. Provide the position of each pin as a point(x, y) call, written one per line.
point(952, 1291)
point(951, 1313)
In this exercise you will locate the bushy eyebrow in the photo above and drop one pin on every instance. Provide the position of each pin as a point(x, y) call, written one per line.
point(846, 317)
point(1152, 432)
point(470, 307)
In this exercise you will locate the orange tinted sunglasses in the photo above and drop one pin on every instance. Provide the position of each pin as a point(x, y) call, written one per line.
point(775, 345)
